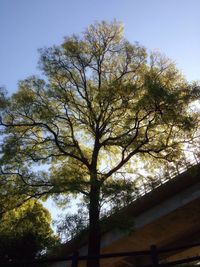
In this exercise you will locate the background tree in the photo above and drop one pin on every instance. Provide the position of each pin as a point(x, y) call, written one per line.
point(25, 232)
point(104, 107)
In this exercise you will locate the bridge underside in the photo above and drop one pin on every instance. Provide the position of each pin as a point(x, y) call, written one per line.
point(182, 226)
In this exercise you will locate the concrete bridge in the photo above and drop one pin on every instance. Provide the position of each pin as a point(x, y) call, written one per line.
point(167, 216)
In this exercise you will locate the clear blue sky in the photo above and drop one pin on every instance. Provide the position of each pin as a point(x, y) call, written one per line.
point(172, 26)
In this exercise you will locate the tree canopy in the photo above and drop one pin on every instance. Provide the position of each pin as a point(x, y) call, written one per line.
point(25, 232)
point(105, 105)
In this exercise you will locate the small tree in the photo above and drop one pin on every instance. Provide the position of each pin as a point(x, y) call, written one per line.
point(25, 232)
point(103, 106)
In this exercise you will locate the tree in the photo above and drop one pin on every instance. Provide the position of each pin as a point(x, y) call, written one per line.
point(25, 232)
point(104, 106)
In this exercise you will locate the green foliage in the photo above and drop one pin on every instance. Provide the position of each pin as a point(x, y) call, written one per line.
point(73, 225)
point(25, 232)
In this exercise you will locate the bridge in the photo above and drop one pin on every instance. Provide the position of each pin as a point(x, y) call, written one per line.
point(167, 216)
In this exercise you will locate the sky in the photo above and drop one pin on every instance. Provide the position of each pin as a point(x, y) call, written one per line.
point(170, 26)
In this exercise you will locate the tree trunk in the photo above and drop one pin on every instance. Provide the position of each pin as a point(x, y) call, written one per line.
point(94, 227)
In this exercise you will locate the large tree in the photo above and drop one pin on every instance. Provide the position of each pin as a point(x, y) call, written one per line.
point(104, 103)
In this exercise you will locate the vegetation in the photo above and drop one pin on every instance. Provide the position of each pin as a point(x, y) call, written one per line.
point(104, 107)
point(25, 232)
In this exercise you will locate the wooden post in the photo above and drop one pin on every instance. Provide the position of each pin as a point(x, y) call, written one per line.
point(75, 259)
point(154, 256)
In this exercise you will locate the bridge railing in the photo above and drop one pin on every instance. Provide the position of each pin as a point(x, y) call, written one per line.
point(154, 254)
point(146, 185)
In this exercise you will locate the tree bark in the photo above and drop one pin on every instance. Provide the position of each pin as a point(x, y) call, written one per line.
point(94, 239)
